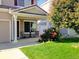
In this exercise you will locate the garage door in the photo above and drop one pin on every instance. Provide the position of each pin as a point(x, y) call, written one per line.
point(4, 31)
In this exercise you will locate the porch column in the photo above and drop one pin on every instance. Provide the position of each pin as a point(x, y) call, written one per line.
point(36, 25)
point(15, 27)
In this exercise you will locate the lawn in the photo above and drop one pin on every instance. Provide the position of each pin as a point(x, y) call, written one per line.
point(53, 50)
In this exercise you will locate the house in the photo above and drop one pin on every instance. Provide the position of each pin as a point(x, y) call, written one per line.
point(19, 18)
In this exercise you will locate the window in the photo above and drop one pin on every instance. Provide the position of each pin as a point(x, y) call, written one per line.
point(15, 2)
point(26, 26)
point(29, 26)
point(32, 1)
point(19, 2)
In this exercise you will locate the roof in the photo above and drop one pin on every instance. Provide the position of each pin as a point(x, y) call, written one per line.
point(34, 9)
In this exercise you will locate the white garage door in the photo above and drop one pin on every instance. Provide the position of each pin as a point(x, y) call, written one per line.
point(4, 31)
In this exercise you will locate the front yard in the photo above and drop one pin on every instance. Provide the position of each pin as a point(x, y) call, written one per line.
point(53, 50)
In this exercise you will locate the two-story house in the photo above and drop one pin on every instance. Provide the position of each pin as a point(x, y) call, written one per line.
point(19, 18)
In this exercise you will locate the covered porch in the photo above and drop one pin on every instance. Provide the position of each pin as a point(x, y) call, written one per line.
point(27, 27)
point(25, 22)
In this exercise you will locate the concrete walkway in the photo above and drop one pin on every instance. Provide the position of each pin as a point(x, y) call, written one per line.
point(11, 50)
point(12, 54)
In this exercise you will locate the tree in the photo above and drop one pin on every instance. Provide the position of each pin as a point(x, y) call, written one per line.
point(66, 14)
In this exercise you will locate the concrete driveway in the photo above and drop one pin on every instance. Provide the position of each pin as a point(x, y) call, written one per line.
point(20, 43)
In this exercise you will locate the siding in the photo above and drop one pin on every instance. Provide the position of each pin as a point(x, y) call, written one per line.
point(7, 2)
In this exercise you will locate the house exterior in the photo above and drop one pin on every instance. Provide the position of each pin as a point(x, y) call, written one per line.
point(19, 18)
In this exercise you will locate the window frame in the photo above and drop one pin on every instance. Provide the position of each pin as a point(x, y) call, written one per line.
point(17, 3)
point(32, 2)
point(24, 25)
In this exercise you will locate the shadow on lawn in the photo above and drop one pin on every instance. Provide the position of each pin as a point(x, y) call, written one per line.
point(68, 40)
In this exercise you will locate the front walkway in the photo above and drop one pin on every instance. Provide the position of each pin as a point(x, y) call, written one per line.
point(11, 50)
point(20, 43)
point(14, 53)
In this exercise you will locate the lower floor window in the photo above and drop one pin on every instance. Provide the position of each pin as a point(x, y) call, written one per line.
point(29, 26)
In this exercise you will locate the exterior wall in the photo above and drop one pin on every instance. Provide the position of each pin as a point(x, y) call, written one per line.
point(0, 2)
point(11, 2)
point(7, 2)
point(42, 26)
point(72, 33)
point(5, 25)
point(68, 32)
point(5, 16)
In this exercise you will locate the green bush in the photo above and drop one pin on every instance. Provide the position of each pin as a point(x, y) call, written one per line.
point(47, 35)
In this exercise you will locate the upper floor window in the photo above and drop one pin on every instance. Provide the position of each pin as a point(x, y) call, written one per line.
point(15, 2)
point(19, 2)
point(32, 1)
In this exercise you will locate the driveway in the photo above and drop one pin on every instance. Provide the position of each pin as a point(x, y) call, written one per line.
point(14, 53)
point(20, 43)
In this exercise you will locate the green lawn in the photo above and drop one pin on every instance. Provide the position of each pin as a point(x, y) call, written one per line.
point(53, 50)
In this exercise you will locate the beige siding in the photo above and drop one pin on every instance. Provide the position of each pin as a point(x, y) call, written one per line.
point(5, 16)
point(7, 2)
point(0, 2)
point(11, 2)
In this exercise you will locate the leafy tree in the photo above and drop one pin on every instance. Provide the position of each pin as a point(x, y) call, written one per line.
point(66, 14)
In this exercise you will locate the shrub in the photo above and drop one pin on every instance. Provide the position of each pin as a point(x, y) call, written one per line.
point(49, 35)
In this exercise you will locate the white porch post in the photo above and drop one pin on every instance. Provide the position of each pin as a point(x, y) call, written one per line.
point(36, 25)
point(15, 27)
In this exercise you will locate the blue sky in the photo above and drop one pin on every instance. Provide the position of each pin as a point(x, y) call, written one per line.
point(41, 1)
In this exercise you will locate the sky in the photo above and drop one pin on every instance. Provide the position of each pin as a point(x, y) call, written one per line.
point(41, 1)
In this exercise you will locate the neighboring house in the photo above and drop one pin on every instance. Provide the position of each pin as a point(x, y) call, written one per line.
point(19, 18)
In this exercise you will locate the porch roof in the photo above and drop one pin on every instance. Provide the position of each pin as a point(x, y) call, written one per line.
point(32, 10)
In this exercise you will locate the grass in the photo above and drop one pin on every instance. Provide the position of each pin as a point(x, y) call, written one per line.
point(53, 50)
